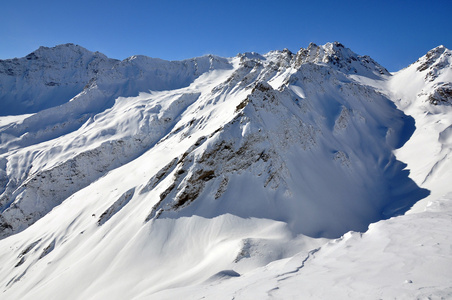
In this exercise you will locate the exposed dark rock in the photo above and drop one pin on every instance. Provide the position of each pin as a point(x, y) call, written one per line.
point(116, 207)
point(441, 95)
point(48, 249)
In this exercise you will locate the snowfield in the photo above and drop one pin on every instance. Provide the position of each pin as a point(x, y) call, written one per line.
point(308, 175)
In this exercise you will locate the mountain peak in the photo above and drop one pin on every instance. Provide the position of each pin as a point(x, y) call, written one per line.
point(437, 58)
point(63, 52)
point(439, 49)
point(337, 55)
point(52, 76)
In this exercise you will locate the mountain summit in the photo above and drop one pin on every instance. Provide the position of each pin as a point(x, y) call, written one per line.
point(201, 170)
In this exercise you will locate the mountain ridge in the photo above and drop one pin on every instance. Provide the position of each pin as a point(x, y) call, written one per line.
point(200, 170)
point(317, 68)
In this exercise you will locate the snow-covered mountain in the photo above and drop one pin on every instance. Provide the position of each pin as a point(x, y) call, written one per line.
point(152, 179)
point(47, 77)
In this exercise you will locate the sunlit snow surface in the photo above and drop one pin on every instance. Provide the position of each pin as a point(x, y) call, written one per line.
point(226, 178)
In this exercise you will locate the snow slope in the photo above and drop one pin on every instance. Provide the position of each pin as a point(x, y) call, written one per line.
point(407, 257)
point(424, 90)
point(162, 180)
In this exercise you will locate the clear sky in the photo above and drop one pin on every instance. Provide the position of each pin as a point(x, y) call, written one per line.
point(394, 33)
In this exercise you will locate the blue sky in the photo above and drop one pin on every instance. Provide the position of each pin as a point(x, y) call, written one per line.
point(394, 33)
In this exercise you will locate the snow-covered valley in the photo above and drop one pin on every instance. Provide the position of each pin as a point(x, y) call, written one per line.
point(315, 174)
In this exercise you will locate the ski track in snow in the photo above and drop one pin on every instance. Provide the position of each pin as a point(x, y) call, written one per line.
point(312, 175)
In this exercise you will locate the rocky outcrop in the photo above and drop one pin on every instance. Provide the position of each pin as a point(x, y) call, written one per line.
point(442, 95)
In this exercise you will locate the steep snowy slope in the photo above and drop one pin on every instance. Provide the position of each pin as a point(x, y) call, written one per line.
point(424, 91)
point(55, 152)
point(165, 178)
point(407, 257)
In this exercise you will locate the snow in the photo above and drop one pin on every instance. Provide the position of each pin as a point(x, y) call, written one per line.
point(407, 257)
point(280, 176)
point(410, 90)
point(428, 164)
